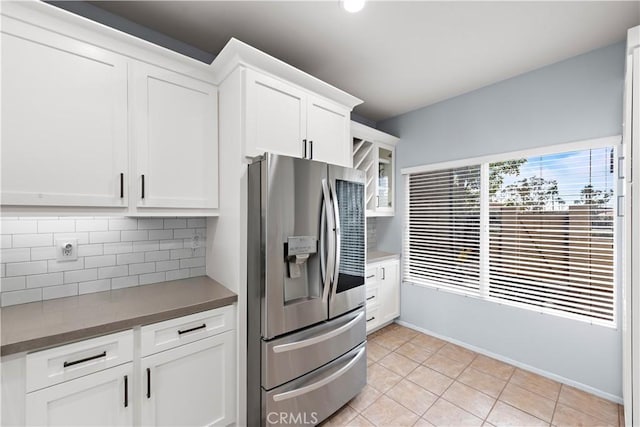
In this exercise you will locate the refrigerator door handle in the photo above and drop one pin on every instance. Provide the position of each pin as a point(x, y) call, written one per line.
point(327, 218)
point(324, 381)
point(336, 266)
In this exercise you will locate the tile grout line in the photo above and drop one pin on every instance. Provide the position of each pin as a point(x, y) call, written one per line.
point(499, 395)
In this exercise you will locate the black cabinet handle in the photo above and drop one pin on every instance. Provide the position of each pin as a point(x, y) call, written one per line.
point(369, 277)
point(143, 186)
point(369, 320)
point(311, 150)
point(126, 391)
point(86, 359)
point(121, 185)
point(148, 383)
point(384, 273)
point(371, 297)
point(184, 331)
point(304, 144)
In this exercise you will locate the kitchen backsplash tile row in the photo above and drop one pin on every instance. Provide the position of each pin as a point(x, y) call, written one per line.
point(113, 253)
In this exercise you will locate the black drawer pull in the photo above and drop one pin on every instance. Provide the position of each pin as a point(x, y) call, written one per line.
point(369, 320)
point(126, 391)
point(148, 383)
point(369, 277)
point(143, 186)
point(304, 144)
point(371, 297)
point(86, 359)
point(121, 185)
point(310, 150)
point(184, 331)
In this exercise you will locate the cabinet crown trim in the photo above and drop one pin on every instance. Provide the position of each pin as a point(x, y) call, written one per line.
point(358, 130)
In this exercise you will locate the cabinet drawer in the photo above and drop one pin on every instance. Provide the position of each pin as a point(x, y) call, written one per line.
point(173, 333)
point(59, 364)
point(371, 275)
point(372, 295)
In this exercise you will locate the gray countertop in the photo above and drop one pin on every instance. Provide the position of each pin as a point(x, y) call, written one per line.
point(377, 256)
point(37, 325)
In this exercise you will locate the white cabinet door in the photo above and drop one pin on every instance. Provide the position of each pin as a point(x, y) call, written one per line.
point(389, 288)
point(176, 136)
point(100, 399)
point(190, 385)
point(64, 120)
point(275, 117)
point(328, 132)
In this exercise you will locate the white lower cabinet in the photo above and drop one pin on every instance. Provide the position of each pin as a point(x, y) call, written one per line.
point(383, 293)
point(99, 399)
point(192, 385)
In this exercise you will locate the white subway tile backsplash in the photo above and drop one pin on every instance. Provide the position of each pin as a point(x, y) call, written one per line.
point(160, 234)
point(12, 283)
point(146, 279)
point(118, 248)
point(80, 275)
point(198, 271)
point(124, 282)
point(99, 261)
point(150, 223)
point(123, 224)
point(92, 225)
point(56, 226)
point(54, 265)
point(157, 256)
point(104, 236)
point(46, 252)
point(60, 291)
point(196, 223)
point(146, 246)
point(175, 223)
point(94, 286)
point(109, 272)
point(146, 267)
point(15, 255)
point(42, 280)
point(134, 236)
point(113, 253)
point(16, 226)
point(32, 240)
point(5, 241)
point(167, 265)
point(21, 297)
point(82, 238)
point(26, 268)
point(90, 250)
point(178, 274)
point(132, 258)
point(192, 262)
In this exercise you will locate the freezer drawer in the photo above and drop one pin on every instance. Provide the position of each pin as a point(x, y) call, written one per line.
point(292, 356)
point(313, 397)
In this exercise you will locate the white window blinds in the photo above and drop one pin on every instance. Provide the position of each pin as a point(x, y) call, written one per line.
point(442, 248)
point(533, 231)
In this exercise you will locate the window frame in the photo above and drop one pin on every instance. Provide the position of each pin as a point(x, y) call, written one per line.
point(484, 162)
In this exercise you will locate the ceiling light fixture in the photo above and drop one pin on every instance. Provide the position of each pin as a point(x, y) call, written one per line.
point(352, 6)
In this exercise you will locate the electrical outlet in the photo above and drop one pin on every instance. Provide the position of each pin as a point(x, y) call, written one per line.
point(197, 240)
point(67, 249)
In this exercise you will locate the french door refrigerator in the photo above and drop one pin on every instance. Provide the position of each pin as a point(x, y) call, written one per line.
point(305, 315)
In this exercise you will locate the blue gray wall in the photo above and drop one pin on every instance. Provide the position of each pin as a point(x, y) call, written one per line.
point(576, 99)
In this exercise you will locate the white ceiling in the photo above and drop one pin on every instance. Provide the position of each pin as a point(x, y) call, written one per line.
point(396, 56)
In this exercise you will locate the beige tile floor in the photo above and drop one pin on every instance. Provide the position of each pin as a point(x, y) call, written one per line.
point(417, 380)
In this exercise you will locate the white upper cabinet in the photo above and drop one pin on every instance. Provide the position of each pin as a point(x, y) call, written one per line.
point(275, 116)
point(270, 106)
point(64, 120)
point(328, 132)
point(176, 139)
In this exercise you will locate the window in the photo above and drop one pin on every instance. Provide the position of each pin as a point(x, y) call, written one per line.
point(537, 231)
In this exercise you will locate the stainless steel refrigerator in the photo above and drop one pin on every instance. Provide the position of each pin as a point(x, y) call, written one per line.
point(305, 314)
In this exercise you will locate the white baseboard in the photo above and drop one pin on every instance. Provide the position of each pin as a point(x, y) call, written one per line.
point(552, 376)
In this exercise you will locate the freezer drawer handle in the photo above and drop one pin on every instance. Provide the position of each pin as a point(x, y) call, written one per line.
point(311, 387)
point(86, 359)
point(184, 331)
point(315, 340)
